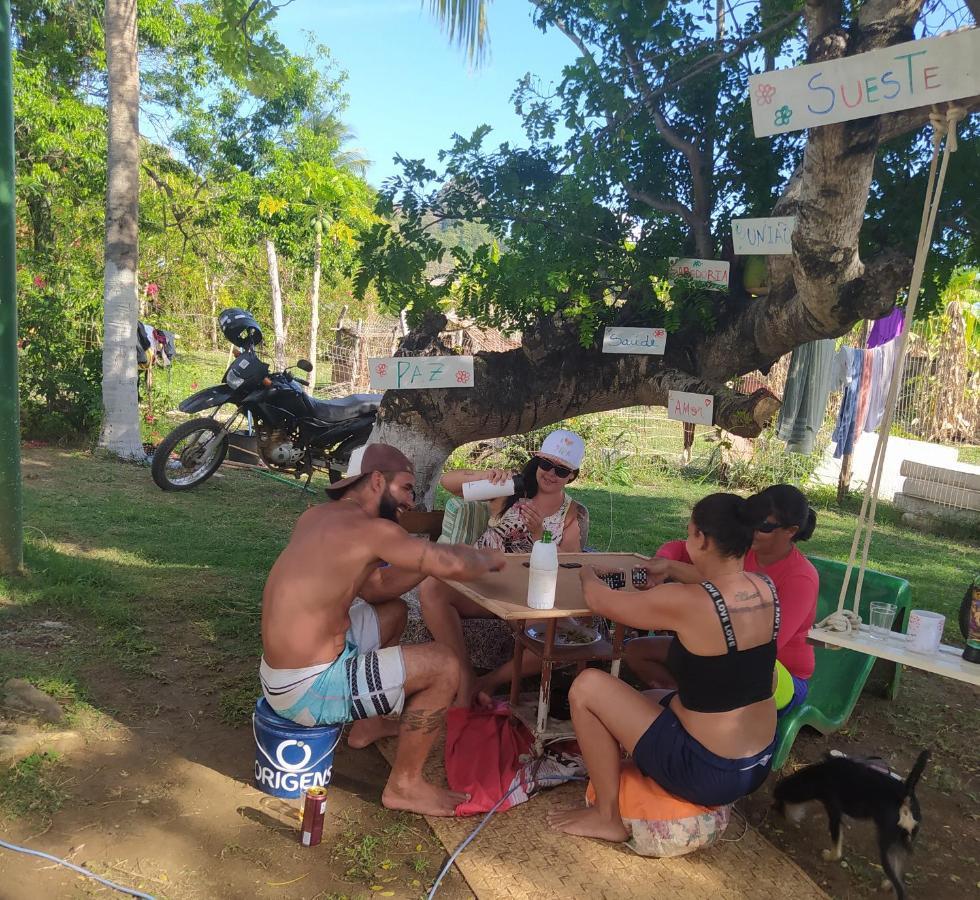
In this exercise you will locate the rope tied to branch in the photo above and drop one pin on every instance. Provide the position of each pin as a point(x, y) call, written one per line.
point(944, 126)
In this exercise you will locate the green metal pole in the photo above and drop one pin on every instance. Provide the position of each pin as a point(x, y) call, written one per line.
point(11, 503)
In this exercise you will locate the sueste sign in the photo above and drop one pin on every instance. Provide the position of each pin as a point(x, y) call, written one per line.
point(634, 340)
point(711, 272)
point(764, 237)
point(686, 407)
point(904, 76)
point(401, 373)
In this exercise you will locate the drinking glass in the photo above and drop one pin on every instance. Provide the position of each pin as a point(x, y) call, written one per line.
point(882, 619)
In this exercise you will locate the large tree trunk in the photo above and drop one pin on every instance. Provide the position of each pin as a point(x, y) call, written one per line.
point(120, 421)
point(279, 329)
point(315, 299)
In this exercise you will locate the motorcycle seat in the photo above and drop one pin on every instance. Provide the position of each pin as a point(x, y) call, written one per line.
point(345, 407)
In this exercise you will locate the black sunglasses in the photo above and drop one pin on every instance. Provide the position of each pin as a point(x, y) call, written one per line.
point(770, 527)
point(546, 465)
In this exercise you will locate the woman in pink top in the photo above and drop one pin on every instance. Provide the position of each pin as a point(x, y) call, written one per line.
point(785, 518)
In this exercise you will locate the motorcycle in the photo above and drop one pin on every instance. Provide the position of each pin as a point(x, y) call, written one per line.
point(290, 431)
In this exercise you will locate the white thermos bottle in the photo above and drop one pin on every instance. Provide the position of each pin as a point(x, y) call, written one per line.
point(485, 489)
point(543, 578)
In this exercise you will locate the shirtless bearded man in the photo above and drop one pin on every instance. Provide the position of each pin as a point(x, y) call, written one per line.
point(326, 661)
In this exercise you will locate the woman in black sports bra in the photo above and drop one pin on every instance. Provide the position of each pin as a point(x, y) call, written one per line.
point(710, 741)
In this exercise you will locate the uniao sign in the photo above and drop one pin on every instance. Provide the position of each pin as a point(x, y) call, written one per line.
point(904, 76)
point(763, 237)
point(634, 340)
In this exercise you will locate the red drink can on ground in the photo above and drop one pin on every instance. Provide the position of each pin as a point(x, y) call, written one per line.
point(314, 809)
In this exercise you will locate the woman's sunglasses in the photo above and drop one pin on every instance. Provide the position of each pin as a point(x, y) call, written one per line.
point(770, 527)
point(546, 465)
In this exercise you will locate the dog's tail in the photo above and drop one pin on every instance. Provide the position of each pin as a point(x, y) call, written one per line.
point(916, 772)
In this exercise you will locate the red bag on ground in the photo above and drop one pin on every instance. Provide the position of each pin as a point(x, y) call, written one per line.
point(485, 750)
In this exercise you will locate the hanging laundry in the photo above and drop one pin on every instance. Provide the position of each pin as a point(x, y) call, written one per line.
point(864, 391)
point(808, 385)
point(886, 357)
point(844, 429)
point(887, 328)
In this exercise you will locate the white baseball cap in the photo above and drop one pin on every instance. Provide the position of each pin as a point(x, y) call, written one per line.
point(564, 446)
point(354, 466)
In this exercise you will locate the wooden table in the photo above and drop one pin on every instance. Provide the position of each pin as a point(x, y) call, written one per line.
point(504, 594)
point(947, 660)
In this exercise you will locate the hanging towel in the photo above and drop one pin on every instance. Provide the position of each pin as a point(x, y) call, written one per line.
point(885, 361)
point(887, 328)
point(864, 392)
point(844, 429)
point(805, 395)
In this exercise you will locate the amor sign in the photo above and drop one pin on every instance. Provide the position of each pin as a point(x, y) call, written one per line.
point(687, 407)
point(904, 76)
point(401, 373)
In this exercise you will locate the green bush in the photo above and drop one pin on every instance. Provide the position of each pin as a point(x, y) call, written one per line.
point(60, 360)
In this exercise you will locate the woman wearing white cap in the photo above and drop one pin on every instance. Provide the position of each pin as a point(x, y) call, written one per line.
point(515, 524)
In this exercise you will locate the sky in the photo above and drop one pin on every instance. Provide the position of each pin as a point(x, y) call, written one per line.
point(410, 89)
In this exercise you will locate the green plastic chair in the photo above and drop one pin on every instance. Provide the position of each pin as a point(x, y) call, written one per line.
point(840, 675)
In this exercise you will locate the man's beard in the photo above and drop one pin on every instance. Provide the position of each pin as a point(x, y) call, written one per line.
point(388, 507)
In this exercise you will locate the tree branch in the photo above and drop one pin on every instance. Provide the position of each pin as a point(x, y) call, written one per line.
point(700, 219)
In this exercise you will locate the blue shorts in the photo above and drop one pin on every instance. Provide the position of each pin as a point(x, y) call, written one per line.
point(666, 753)
point(365, 680)
point(801, 687)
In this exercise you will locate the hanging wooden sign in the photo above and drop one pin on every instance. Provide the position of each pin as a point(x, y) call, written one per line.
point(400, 373)
point(904, 76)
point(763, 237)
point(687, 407)
point(634, 340)
point(712, 273)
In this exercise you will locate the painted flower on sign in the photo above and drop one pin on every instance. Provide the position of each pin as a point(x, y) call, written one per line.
point(783, 115)
point(381, 368)
point(764, 94)
point(462, 377)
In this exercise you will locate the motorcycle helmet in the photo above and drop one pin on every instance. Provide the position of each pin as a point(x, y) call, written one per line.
point(240, 328)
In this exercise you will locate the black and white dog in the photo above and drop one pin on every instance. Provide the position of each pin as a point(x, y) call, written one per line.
point(860, 789)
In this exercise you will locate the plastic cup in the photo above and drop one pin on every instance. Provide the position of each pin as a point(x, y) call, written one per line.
point(882, 619)
point(925, 631)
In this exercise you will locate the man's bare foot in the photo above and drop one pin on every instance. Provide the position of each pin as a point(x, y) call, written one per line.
point(365, 732)
point(588, 823)
point(421, 797)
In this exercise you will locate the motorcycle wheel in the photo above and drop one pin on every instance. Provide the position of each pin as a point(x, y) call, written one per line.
point(189, 455)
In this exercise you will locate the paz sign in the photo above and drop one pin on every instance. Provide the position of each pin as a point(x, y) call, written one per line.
point(400, 373)
point(634, 340)
point(904, 76)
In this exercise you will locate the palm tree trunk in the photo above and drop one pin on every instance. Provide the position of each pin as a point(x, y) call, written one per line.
point(315, 298)
point(277, 324)
point(120, 419)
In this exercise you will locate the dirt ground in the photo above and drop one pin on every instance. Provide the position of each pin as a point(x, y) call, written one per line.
point(159, 798)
